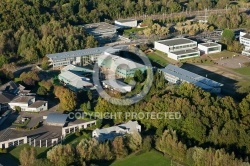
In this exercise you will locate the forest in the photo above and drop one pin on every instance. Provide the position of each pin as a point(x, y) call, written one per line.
point(31, 29)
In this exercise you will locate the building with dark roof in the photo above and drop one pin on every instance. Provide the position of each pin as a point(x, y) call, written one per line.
point(102, 31)
point(12, 88)
point(56, 119)
point(178, 48)
point(5, 98)
point(176, 75)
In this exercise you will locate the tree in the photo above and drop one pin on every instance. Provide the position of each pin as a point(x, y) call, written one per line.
point(90, 42)
point(61, 155)
point(88, 105)
point(134, 141)
point(228, 36)
point(67, 98)
point(41, 91)
point(147, 143)
point(119, 148)
point(90, 95)
point(27, 156)
point(3, 60)
point(18, 108)
point(139, 76)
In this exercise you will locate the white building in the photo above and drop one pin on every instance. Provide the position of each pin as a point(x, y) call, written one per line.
point(28, 103)
point(114, 131)
point(178, 48)
point(126, 23)
point(209, 48)
point(245, 40)
point(117, 86)
point(176, 75)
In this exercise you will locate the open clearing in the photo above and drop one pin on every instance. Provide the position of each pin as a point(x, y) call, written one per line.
point(152, 158)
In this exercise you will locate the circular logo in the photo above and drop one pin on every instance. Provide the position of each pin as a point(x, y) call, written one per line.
point(110, 67)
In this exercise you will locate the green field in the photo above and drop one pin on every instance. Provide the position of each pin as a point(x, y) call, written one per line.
point(243, 71)
point(223, 54)
point(152, 158)
point(157, 59)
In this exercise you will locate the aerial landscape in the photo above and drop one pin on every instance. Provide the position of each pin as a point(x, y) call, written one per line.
point(125, 82)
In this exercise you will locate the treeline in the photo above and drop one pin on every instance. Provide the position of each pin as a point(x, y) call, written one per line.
point(206, 120)
point(91, 152)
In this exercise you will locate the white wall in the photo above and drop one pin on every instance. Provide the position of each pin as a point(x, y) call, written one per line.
point(77, 127)
point(161, 47)
point(14, 142)
point(126, 24)
point(206, 51)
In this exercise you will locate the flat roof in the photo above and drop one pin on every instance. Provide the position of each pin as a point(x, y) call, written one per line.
point(22, 99)
point(122, 62)
point(246, 36)
point(100, 26)
point(176, 41)
point(77, 53)
point(37, 104)
point(210, 44)
point(56, 118)
point(190, 77)
point(125, 20)
point(188, 51)
point(117, 85)
point(76, 79)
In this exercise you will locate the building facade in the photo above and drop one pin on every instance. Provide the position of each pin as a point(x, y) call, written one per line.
point(126, 23)
point(178, 48)
point(245, 40)
point(209, 48)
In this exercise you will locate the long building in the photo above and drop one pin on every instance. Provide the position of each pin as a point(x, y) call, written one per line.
point(245, 40)
point(126, 23)
point(177, 75)
point(78, 57)
point(178, 48)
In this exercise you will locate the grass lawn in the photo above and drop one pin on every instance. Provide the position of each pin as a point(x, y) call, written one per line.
point(157, 59)
point(132, 30)
point(243, 71)
point(223, 54)
point(152, 158)
point(74, 140)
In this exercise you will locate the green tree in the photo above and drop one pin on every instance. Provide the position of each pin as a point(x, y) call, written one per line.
point(139, 76)
point(41, 91)
point(90, 42)
point(67, 98)
point(27, 156)
point(228, 36)
point(3, 60)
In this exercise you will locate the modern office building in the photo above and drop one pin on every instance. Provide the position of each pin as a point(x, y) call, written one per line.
point(79, 57)
point(177, 75)
point(101, 31)
point(245, 40)
point(73, 77)
point(209, 48)
point(121, 67)
point(126, 23)
point(178, 48)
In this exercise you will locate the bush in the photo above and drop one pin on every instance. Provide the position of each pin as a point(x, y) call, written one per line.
point(3, 150)
point(17, 108)
point(78, 133)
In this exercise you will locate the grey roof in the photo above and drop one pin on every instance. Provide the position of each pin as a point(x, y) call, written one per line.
point(246, 36)
point(176, 41)
point(77, 69)
point(117, 85)
point(37, 104)
point(111, 132)
point(9, 86)
point(6, 97)
point(99, 27)
point(189, 51)
point(126, 20)
point(190, 77)
point(22, 99)
point(56, 118)
point(210, 44)
point(78, 53)
point(75, 79)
